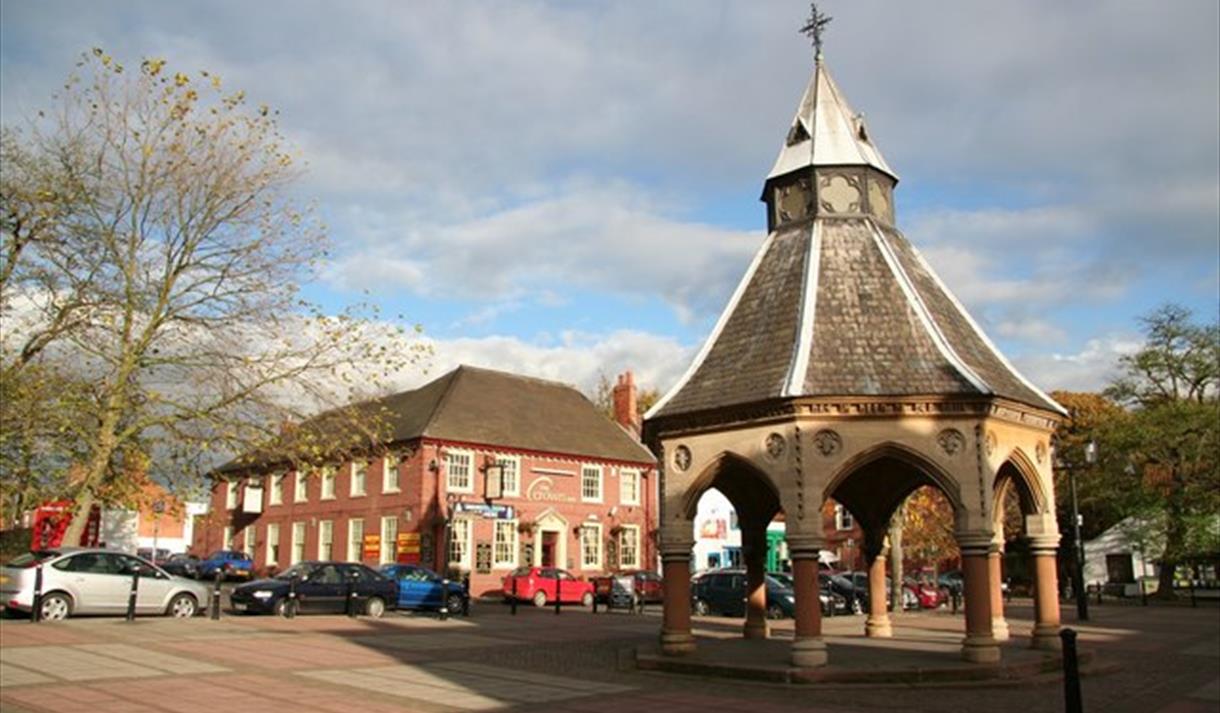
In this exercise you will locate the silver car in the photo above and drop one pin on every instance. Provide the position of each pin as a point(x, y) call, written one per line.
point(95, 581)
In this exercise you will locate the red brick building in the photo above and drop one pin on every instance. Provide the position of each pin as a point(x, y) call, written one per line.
point(579, 489)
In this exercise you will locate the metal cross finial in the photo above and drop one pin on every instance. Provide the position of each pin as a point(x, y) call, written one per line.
point(814, 28)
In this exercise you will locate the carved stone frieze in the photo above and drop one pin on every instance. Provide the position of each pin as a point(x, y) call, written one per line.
point(990, 442)
point(827, 442)
point(1040, 452)
point(776, 445)
point(951, 441)
point(682, 458)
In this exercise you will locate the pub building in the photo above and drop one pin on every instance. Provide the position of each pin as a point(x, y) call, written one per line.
point(578, 489)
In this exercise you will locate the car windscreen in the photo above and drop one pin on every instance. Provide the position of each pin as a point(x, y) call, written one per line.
point(30, 559)
point(296, 570)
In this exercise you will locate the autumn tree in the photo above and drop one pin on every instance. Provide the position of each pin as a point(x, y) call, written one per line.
point(152, 257)
point(928, 527)
point(1166, 446)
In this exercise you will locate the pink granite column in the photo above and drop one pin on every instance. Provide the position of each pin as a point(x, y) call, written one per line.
point(1046, 595)
point(676, 637)
point(980, 645)
point(808, 649)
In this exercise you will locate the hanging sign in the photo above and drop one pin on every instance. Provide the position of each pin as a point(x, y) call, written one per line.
point(492, 512)
point(372, 547)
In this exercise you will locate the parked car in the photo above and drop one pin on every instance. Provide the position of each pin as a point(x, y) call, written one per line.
point(930, 596)
point(321, 588)
point(421, 588)
point(181, 565)
point(952, 581)
point(96, 581)
point(910, 599)
point(158, 557)
point(230, 562)
point(647, 585)
point(831, 602)
point(724, 592)
point(855, 601)
point(541, 585)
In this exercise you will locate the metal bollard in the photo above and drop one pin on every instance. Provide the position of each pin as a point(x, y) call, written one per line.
point(1071, 673)
point(1143, 594)
point(1194, 603)
point(513, 599)
point(220, 575)
point(444, 599)
point(557, 590)
point(466, 596)
point(595, 600)
point(1099, 588)
point(349, 605)
point(290, 608)
point(36, 604)
point(131, 597)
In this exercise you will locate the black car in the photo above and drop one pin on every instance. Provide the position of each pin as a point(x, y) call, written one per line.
point(182, 565)
point(831, 602)
point(724, 592)
point(321, 588)
point(854, 599)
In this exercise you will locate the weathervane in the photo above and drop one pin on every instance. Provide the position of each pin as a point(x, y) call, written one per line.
point(814, 28)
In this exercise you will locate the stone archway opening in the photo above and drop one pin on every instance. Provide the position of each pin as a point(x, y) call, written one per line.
point(733, 581)
point(1024, 555)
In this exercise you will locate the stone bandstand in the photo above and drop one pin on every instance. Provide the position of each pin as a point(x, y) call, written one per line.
point(843, 368)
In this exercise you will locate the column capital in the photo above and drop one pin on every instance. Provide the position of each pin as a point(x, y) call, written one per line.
point(1044, 544)
point(671, 551)
point(805, 546)
point(975, 542)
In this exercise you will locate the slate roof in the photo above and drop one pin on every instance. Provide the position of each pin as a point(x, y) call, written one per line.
point(486, 407)
point(841, 305)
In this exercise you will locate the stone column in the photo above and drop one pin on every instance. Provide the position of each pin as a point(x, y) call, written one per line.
point(808, 649)
point(979, 646)
point(1046, 594)
point(995, 571)
point(754, 552)
point(676, 637)
point(878, 623)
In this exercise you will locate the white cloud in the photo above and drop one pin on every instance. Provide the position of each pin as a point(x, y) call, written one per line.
point(1090, 369)
point(1032, 330)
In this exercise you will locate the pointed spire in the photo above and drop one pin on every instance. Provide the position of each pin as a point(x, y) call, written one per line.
point(826, 131)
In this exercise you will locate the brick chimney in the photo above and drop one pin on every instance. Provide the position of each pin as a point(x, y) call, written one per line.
point(626, 411)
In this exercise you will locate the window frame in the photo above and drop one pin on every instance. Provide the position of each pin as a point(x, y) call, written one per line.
point(300, 487)
point(844, 520)
point(303, 528)
point(388, 544)
point(469, 456)
point(329, 552)
point(391, 464)
point(275, 489)
point(227, 536)
point(355, 549)
point(464, 562)
point(635, 476)
point(622, 561)
point(272, 553)
point(354, 469)
point(601, 482)
point(584, 561)
point(513, 545)
point(327, 475)
point(230, 494)
point(515, 462)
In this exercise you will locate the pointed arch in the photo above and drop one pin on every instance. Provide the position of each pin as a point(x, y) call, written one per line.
point(747, 486)
point(913, 470)
point(1018, 471)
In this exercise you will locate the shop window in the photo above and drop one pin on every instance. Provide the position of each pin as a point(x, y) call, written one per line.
point(591, 483)
point(504, 547)
point(459, 543)
point(591, 546)
point(629, 547)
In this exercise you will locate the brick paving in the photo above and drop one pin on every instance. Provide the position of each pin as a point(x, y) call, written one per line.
point(1168, 661)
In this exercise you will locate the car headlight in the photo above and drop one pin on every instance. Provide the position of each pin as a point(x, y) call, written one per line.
point(263, 594)
point(789, 598)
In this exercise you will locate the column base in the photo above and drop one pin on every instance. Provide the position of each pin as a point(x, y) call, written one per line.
point(878, 627)
point(1045, 638)
point(754, 630)
point(999, 628)
point(980, 649)
point(809, 652)
point(677, 643)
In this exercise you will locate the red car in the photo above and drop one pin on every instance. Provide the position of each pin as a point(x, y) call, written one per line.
point(647, 584)
point(930, 596)
point(539, 585)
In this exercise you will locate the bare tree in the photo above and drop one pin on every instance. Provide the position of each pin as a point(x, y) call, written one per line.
point(159, 263)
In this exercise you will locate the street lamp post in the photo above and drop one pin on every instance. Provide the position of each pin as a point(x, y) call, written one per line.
point(1082, 600)
point(158, 508)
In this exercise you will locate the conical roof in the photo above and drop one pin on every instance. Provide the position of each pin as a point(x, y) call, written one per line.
point(826, 131)
point(841, 305)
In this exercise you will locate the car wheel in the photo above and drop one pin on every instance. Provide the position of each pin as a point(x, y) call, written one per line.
point(539, 599)
point(701, 608)
point(183, 606)
point(280, 608)
point(454, 604)
point(774, 611)
point(586, 599)
point(375, 607)
point(55, 607)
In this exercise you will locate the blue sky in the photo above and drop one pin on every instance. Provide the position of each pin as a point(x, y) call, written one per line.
point(569, 189)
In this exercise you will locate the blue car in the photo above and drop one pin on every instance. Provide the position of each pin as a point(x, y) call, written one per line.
point(231, 562)
point(421, 588)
